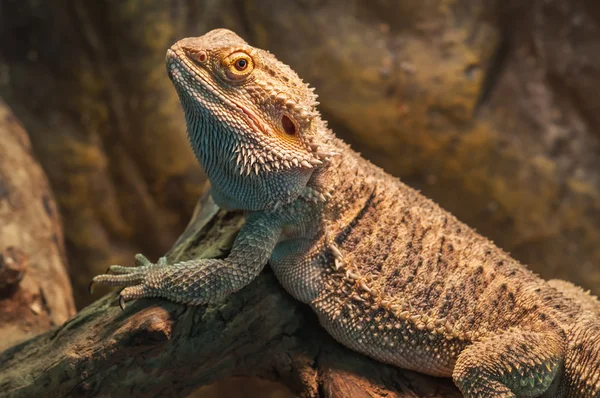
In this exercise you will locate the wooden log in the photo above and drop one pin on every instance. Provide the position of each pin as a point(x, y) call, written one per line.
point(158, 348)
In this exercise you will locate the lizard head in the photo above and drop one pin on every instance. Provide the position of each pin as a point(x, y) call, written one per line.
point(252, 122)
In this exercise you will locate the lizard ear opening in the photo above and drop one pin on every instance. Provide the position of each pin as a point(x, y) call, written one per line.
point(288, 126)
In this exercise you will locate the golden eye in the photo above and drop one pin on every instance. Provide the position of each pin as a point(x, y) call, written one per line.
point(238, 66)
point(241, 64)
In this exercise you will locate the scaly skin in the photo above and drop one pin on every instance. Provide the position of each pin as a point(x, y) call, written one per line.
point(389, 273)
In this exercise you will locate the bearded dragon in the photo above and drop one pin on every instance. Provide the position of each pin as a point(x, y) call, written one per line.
point(388, 272)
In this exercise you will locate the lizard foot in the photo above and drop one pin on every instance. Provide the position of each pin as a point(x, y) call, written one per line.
point(193, 282)
point(132, 278)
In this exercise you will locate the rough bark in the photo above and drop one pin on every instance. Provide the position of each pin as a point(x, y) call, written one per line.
point(35, 292)
point(157, 348)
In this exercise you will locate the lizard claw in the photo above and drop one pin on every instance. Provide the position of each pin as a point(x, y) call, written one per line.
point(122, 302)
point(91, 287)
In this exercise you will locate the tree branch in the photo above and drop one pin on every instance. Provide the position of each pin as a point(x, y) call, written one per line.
point(158, 348)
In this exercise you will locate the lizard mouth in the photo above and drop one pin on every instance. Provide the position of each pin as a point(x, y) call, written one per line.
point(177, 60)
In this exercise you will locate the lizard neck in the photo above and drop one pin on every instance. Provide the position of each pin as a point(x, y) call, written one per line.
point(347, 178)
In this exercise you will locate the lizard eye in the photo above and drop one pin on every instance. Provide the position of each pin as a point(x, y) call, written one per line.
point(241, 64)
point(238, 66)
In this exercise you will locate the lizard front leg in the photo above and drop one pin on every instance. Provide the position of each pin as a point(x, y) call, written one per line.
point(201, 281)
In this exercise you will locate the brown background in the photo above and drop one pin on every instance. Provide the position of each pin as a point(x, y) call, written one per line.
point(492, 108)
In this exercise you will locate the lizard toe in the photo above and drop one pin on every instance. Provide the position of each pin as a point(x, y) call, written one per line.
point(125, 280)
point(142, 261)
point(121, 270)
point(132, 293)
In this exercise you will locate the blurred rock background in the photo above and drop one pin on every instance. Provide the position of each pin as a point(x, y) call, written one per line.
point(490, 107)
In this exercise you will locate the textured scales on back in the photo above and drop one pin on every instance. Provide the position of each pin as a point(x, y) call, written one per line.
point(389, 273)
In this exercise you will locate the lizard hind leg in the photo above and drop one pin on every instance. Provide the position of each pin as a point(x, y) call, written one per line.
point(582, 362)
point(514, 363)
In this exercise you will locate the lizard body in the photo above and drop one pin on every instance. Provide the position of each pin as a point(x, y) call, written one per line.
point(389, 273)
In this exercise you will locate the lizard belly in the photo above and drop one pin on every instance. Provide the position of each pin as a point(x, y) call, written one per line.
point(360, 326)
point(379, 335)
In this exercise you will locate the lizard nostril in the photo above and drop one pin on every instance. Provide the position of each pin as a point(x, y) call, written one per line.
point(201, 56)
point(197, 56)
point(288, 126)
